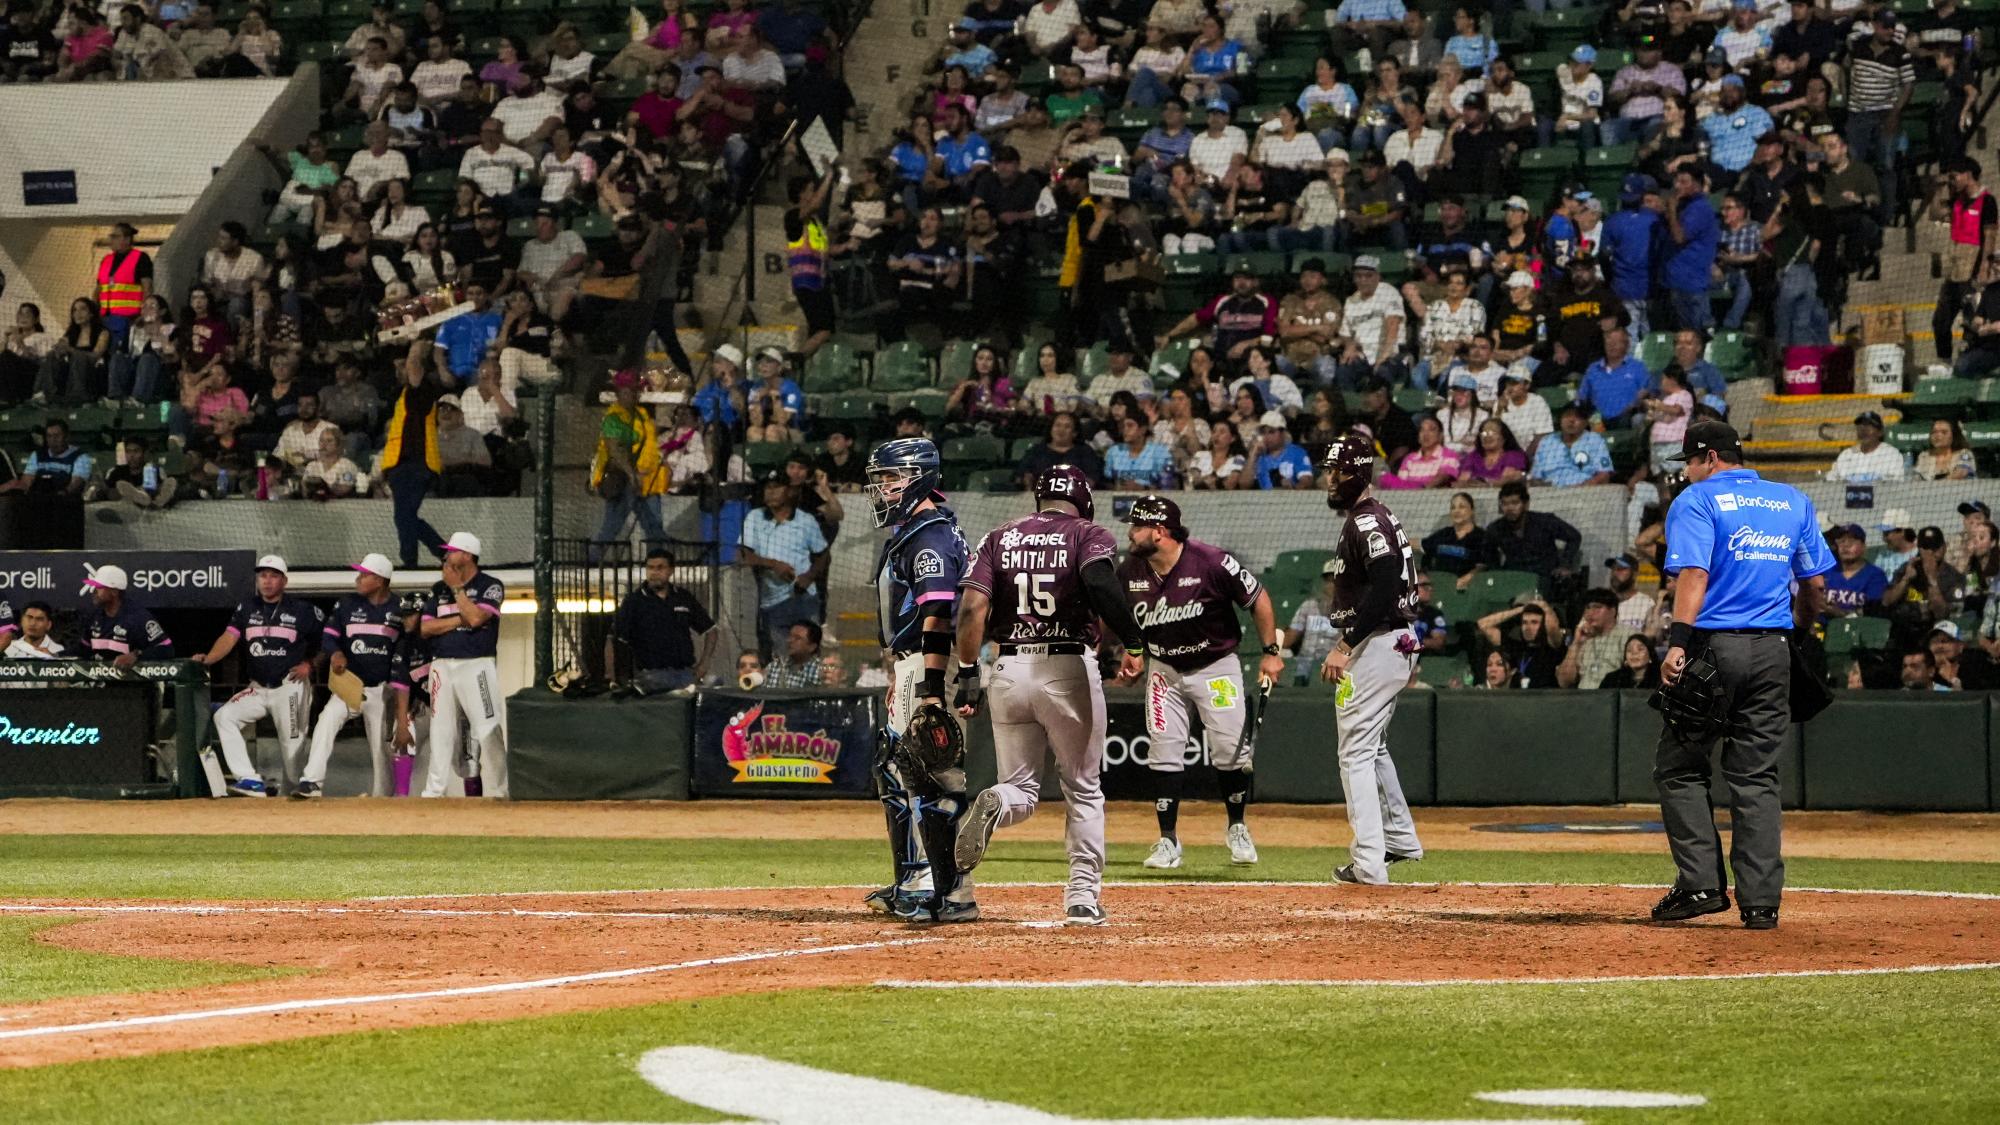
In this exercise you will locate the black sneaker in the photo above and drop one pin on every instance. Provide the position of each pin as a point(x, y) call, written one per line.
point(1760, 917)
point(1681, 904)
point(1084, 914)
point(307, 791)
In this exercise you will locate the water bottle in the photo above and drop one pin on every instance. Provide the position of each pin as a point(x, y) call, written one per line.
point(151, 478)
point(263, 478)
point(223, 479)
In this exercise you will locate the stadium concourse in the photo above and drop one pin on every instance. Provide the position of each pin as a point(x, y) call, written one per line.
point(1186, 248)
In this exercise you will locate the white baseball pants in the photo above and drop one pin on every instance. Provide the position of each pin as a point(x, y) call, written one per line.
point(285, 705)
point(1363, 704)
point(1043, 704)
point(374, 720)
point(467, 689)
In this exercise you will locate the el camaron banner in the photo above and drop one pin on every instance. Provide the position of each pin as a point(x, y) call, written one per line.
point(787, 744)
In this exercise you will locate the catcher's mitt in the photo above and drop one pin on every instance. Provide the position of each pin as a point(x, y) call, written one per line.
point(1695, 707)
point(932, 744)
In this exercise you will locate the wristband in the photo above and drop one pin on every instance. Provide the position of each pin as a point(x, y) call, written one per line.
point(968, 672)
point(933, 684)
point(1273, 650)
point(1680, 635)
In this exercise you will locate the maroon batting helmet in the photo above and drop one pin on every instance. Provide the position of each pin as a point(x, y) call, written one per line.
point(1349, 467)
point(1067, 483)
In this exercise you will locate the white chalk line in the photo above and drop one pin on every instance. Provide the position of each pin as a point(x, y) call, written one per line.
point(1219, 884)
point(448, 993)
point(1450, 982)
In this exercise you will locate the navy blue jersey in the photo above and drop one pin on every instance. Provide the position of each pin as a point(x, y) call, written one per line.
point(410, 670)
point(131, 629)
point(462, 643)
point(921, 564)
point(279, 634)
point(367, 633)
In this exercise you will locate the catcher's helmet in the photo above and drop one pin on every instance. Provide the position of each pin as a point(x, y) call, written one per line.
point(1349, 466)
point(902, 474)
point(1154, 510)
point(1067, 483)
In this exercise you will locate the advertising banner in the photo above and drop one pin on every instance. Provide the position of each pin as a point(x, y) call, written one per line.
point(75, 736)
point(785, 744)
point(160, 579)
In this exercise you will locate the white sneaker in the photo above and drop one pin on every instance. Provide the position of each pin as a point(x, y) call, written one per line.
point(1241, 851)
point(1166, 854)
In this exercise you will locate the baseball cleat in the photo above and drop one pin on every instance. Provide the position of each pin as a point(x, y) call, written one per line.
point(248, 787)
point(1166, 854)
point(1403, 857)
point(1084, 914)
point(977, 831)
point(910, 906)
point(1241, 851)
point(882, 900)
point(1347, 874)
point(1680, 904)
point(307, 791)
point(957, 912)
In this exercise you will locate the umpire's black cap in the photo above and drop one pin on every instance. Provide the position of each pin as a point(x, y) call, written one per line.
point(1704, 436)
point(1154, 510)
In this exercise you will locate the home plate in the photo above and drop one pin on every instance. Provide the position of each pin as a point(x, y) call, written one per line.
point(1593, 1099)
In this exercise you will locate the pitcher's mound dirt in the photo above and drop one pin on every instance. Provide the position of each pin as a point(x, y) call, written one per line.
point(1164, 932)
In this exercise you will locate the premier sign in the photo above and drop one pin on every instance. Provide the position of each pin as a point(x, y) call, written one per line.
point(69, 734)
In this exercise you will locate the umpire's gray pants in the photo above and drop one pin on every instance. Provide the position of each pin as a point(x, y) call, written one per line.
point(1756, 673)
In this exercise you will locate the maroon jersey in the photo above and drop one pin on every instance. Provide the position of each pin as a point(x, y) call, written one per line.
point(1189, 613)
point(1372, 532)
point(1032, 569)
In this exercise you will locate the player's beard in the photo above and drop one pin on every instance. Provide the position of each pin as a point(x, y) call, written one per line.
point(1142, 550)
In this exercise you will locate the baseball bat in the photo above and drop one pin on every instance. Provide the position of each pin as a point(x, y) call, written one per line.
point(1255, 720)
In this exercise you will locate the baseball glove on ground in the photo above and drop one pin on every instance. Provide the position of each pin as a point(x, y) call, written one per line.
point(1695, 707)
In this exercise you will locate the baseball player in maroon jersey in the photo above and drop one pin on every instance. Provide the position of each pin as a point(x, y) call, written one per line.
point(1036, 589)
point(1184, 594)
point(1374, 601)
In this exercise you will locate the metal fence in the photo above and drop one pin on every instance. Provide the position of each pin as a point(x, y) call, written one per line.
point(591, 579)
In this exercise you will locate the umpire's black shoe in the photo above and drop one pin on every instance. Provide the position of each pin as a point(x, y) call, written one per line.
point(1760, 917)
point(1681, 904)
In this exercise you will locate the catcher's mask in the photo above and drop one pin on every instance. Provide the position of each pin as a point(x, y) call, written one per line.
point(1694, 707)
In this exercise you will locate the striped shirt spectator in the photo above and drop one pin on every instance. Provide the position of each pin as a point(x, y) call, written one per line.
point(1878, 74)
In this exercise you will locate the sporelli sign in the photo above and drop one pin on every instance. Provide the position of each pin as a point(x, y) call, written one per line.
point(160, 579)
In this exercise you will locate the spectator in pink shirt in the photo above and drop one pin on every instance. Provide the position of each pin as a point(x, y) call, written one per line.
point(1670, 411)
point(1430, 465)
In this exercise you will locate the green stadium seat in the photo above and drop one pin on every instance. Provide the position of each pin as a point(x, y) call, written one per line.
point(1497, 589)
point(605, 44)
point(762, 455)
point(1909, 437)
point(978, 451)
point(1986, 400)
point(1020, 448)
point(1413, 400)
point(832, 369)
point(1656, 351)
point(592, 226)
point(1983, 436)
point(1557, 397)
point(1441, 671)
point(1192, 265)
point(1175, 354)
point(521, 229)
point(929, 402)
point(320, 50)
point(955, 362)
point(1093, 363)
point(1940, 398)
point(1733, 353)
point(1266, 265)
point(1282, 73)
point(349, 13)
point(1857, 634)
point(992, 480)
point(851, 406)
point(902, 367)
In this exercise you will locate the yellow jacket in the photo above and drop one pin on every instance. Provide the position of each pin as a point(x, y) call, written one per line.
point(644, 449)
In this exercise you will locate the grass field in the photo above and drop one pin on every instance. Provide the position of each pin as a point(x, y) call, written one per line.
point(1894, 1047)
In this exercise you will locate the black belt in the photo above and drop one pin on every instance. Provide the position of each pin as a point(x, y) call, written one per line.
point(1756, 632)
point(1060, 648)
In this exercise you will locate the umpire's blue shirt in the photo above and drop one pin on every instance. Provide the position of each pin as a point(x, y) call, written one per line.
point(1753, 537)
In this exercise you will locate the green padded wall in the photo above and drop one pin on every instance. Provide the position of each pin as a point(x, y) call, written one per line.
point(598, 749)
point(1527, 748)
point(1900, 750)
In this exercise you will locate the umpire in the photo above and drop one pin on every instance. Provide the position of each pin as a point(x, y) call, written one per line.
point(1735, 545)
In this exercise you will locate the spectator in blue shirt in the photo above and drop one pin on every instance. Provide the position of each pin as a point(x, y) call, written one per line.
point(462, 341)
point(1616, 384)
point(1572, 455)
point(1159, 150)
point(790, 28)
point(967, 51)
point(1472, 49)
point(1213, 59)
point(1280, 462)
point(777, 408)
point(1693, 237)
point(1137, 461)
point(1630, 245)
point(788, 551)
point(957, 157)
point(1733, 129)
point(1854, 586)
point(1369, 23)
point(721, 400)
point(56, 468)
point(1703, 378)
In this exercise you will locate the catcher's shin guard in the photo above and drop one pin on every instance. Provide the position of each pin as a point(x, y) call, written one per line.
point(931, 758)
point(938, 824)
point(899, 813)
